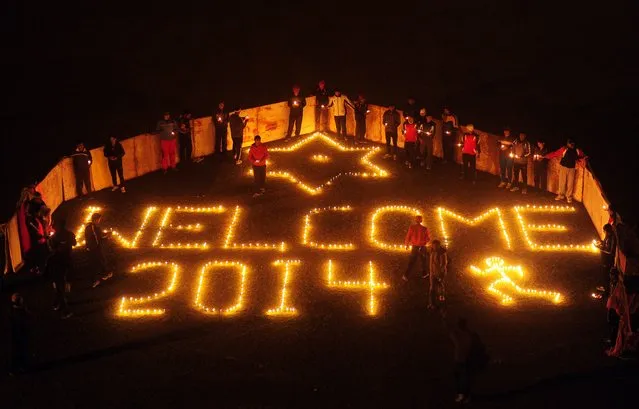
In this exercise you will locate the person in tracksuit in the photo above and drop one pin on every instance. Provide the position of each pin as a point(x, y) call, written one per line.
point(505, 161)
point(237, 124)
point(391, 122)
point(426, 130)
point(221, 124)
point(540, 167)
point(409, 129)
point(81, 166)
point(471, 150)
point(321, 106)
point(114, 152)
point(417, 239)
point(361, 110)
point(570, 158)
point(450, 126)
point(521, 151)
point(296, 104)
point(337, 104)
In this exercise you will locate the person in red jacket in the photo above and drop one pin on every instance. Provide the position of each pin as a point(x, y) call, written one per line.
point(410, 140)
point(570, 158)
point(470, 152)
point(258, 154)
point(417, 238)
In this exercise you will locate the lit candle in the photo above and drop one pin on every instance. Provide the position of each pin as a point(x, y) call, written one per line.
point(447, 132)
point(512, 155)
point(368, 111)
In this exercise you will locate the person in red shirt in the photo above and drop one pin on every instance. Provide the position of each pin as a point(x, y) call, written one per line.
point(410, 140)
point(470, 152)
point(417, 238)
point(258, 154)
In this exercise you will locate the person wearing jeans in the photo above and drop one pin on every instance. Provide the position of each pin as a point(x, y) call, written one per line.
point(186, 143)
point(168, 130)
point(114, 152)
point(258, 155)
point(470, 152)
point(321, 106)
point(417, 238)
point(521, 151)
point(361, 110)
point(505, 161)
point(570, 158)
point(338, 104)
point(391, 121)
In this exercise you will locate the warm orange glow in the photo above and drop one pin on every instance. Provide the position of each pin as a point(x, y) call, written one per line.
point(308, 227)
point(441, 212)
point(284, 309)
point(201, 288)
point(371, 285)
point(125, 311)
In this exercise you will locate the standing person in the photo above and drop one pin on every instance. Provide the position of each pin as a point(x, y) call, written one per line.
point(540, 168)
point(185, 138)
point(391, 121)
point(521, 151)
point(450, 126)
point(471, 150)
point(426, 137)
point(237, 125)
point(410, 140)
point(38, 253)
point(361, 110)
point(337, 105)
point(438, 263)
point(411, 109)
point(221, 122)
point(607, 248)
point(81, 167)
point(321, 106)
point(20, 339)
point(417, 238)
point(258, 155)
point(114, 152)
point(296, 104)
point(27, 194)
point(60, 265)
point(470, 358)
point(505, 161)
point(168, 129)
point(95, 246)
point(570, 158)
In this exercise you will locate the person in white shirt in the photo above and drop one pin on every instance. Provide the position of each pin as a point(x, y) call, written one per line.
point(337, 106)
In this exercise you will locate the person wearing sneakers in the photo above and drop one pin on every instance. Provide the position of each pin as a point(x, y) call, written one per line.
point(95, 246)
point(410, 140)
point(570, 158)
point(470, 152)
point(237, 125)
point(416, 239)
point(258, 154)
point(391, 122)
point(521, 151)
point(114, 152)
point(505, 161)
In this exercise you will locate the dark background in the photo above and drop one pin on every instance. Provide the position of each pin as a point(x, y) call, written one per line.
point(91, 70)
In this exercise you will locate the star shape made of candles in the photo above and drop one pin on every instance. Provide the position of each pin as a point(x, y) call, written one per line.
point(363, 156)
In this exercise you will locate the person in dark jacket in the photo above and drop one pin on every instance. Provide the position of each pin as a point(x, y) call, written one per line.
point(185, 138)
point(450, 125)
point(59, 266)
point(521, 151)
point(540, 167)
point(391, 122)
point(114, 152)
point(237, 125)
point(470, 357)
point(20, 339)
point(221, 124)
point(95, 245)
point(570, 158)
point(296, 104)
point(81, 167)
point(411, 109)
point(608, 249)
point(321, 106)
point(360, 106)
point(427, 131)
point(167, 129)
point(36, 258)
point(471, 150)
point(505, 161)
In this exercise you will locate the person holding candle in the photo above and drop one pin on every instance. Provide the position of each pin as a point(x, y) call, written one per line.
point(540, 167)
point(471, 149)
point(337, 105)
point(450, 125)
point(411, 109)
point(296, 104)
point(505, 161)
point(168, 130)
point(416, 239)
point(361, 110)
point(221, 121)
point(82, 160)
point(410, 140)
point(258, 155)
point(321, 106)
point(237, 125)
point(114, 152)
point(391, 122)
point(426, 130)
point(521, 151)
point(571, 157)
point(185, 138)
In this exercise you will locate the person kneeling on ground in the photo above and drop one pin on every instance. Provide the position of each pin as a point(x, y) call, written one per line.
point(258, 154)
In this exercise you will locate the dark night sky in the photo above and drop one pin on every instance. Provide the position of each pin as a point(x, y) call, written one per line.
point(550, 69)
